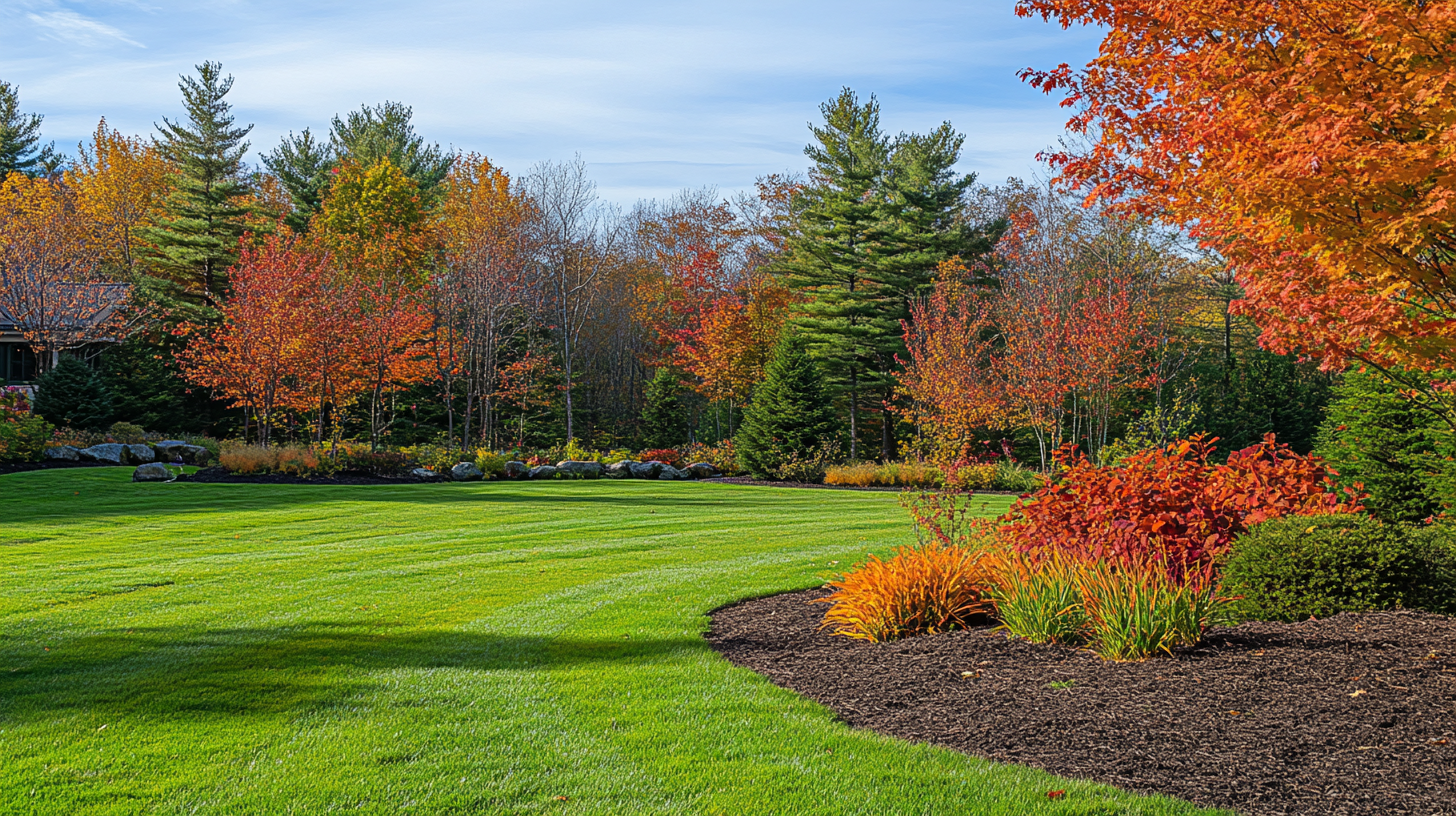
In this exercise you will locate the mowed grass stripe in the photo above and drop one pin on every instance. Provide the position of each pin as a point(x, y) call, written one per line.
point(438, 649)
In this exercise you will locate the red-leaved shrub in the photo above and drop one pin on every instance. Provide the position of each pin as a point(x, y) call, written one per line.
point(667, 456)
point(1171, 503)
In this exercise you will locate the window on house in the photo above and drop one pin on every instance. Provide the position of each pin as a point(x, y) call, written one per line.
point(18, 364)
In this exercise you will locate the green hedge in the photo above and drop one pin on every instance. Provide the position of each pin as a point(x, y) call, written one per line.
point(1298, 567)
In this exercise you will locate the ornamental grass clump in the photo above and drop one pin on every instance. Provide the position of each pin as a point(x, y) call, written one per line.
point(1137, 609)
point(923, 589)
point(1039, 600)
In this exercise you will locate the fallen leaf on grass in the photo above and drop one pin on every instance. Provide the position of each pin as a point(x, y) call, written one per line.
point(1056, 794)
point(563, 798)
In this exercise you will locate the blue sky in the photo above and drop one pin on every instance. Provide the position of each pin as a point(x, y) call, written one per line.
point(654, 96)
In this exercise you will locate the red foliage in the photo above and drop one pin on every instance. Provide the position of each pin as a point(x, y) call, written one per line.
point(1170, 503)
point(667, 456)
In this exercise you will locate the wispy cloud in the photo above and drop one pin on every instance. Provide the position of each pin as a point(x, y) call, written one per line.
point(68, 26)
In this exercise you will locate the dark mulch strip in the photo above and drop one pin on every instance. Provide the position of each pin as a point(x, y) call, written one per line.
point(216, 475)
point(1260, 718)
point(23, 467)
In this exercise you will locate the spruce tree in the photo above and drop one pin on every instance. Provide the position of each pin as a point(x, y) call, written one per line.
point(789, 415)
point(72, 395)
point(664, 417)
point(369, 135)
point(197, 238)
point(20, 137)
point(828, 255)
point(302, 165)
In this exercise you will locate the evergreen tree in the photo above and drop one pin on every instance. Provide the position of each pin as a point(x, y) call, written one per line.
point(197, 237)
point(664, 417)
point(827, 256)
point(19, 137)
point(385, 132)
point(789, 415)
point(1404, 455)
point(72, 395)
point(302, 165)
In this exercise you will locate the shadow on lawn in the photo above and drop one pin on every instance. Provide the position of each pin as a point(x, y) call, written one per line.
point(103, 497)
point(168, 671)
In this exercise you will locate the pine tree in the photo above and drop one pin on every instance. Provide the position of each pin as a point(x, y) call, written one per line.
point(664, 418)
point(19, 137)
point(827, 257)
point(72, 395)
point(369, 135)
point(789, 415)
point(302, 164)
point(197, 238)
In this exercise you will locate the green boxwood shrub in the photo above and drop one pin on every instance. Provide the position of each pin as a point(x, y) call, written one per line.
point(1297, 567)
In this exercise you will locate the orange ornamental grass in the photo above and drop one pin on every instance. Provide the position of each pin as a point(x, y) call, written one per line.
point(921, 590)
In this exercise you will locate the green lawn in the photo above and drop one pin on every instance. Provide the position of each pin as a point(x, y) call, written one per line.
point(487, 648)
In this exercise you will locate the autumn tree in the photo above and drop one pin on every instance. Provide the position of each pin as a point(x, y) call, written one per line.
point(51, 283)
point(1309, 142)
point(196, 239)
point(120, 184)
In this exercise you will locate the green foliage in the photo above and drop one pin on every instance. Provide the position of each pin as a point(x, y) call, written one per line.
point(197, 238)
point(71, 394)
point(1294, 568)
point(1254, 392)
point(146, 389)
point(1401, 453)
point(664, 417)
point(1155, 429)
point(493, 465)
point(302, 165)
point(790, 421)
point(1039, 601)
point(370, 135)
point(20, 137)
point(127, 433)
point(24, 438)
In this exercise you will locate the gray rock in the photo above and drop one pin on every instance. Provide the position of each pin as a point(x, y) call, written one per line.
point(466, 472)
point(170, 450)
point(543, 472)
point(646, 470)
point(672, 474)
point(107, 454)
point(620, 470)
point(702, 470)
point(140, 454)
point(152, 472)
point(517, 470)
point(580, 470)
point(426, 475)
point(63, 453)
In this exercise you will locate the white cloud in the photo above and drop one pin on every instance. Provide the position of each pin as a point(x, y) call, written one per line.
point(72, 27)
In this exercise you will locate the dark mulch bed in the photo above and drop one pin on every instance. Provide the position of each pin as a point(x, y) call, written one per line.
point(216, 474)
point(1355, 714)
point(22, 467)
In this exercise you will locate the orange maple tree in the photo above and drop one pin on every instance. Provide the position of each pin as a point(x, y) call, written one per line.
point(1310, 142)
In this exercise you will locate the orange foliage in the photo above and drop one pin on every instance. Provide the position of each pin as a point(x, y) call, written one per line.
point(1312, 143)
point(920, 590)
point(120, 183)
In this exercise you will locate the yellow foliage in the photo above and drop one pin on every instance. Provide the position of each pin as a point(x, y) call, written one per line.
point(120, 183)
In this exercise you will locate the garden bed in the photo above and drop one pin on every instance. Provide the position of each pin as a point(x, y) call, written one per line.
point(22, 467)
point(1354, 714)
point(748, 480)
point(217, 474)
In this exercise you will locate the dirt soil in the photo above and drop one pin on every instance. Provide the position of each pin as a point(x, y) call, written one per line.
point(1354, 714)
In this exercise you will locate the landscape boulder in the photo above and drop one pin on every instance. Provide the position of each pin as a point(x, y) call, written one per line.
point(620, 470)
point(574, 469)
point(152, 472)
point(517, 470)
point(140, 454)
point(62, 453)
point(645, 470)
point(466, 472)
point(170, 450)
point(425, 475)
point(672, 474)
point(543, 472)
point(107, 454)
point(703, 470)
